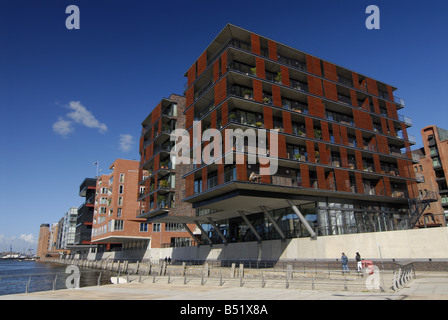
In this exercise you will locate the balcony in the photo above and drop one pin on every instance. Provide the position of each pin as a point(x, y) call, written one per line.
point(295, 106)
point(340, 117)
point(403, 194)
point(436, 163)
point(274, 77)
point(399, 101)
point(292, 62)
point(246, 118)
point(242, 68)
point(344, 99)
point(298, 85)
point(87, 184)
point(407, 120)
point(345, 81)
point(166, 147)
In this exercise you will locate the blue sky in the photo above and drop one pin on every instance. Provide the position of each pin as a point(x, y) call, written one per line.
point(99, 82)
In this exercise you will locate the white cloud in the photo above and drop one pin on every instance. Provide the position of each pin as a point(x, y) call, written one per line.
point(126, 142)
point(19, 243)
point(79, 114)
point(28, 238)
point(62, 127)
point(83, 116)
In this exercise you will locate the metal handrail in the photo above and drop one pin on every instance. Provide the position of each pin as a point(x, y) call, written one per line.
point(51, 279)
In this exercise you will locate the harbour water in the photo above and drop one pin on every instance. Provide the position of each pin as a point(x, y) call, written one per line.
point(17, 276)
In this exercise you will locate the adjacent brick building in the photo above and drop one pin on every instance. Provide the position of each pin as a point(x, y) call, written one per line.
point(160, 179)
point(431, 171)
point(114, 222)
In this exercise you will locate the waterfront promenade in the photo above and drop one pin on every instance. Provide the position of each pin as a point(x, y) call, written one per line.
point(426, 286)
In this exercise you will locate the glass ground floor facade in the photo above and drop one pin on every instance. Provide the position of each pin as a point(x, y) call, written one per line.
point(324, 217)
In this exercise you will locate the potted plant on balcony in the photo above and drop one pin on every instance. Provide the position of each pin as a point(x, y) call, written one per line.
point(317, 156)
point(253, 71)
point(163, 183)
point(278, 77)
point(232, 116)
point(247, 94)
point(317, 134)
point(266, 100)
point(162, 165)
point(259, 124)
point(298, 157)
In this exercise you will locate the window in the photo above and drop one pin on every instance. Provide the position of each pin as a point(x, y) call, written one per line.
point(121, 178)
point(212, 180)
point(198, 185)
point(103, 190)
point(120, 189)
point(143, 227)
point(176, 227)
point(102, 210)
point(120, 201)
point(118, 225)
point(118, 212)
point(156, 227)
point(103, 200)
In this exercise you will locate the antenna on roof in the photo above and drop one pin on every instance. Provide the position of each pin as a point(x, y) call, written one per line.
point(96, 164)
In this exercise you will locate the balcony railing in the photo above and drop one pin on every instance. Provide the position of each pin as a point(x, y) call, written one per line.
point(344, 99)
point(292, 62)
point(242, 68)
point(298, 85)
point(399, 101)
point(345, 81)
point(406, 120)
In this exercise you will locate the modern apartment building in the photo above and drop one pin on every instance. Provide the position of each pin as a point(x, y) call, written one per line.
point(343, 152)
point(114, 221)
point(431, 171)
point(69, 227)
point(161, 186)
point(53, 237)
point(82, 245)
point(85, 212)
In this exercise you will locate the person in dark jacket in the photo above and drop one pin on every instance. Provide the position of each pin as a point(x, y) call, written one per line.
point(344, 261)
point(358, 261)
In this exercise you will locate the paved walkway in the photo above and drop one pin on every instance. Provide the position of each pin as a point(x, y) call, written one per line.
point(428, 285)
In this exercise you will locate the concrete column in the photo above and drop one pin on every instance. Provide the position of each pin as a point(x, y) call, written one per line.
point(241, 271)
point(289, 271)
point(206, 270)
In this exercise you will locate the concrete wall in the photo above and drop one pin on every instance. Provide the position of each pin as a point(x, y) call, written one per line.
point(406, 244)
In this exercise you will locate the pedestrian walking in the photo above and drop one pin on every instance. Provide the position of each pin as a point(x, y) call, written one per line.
point(358, 261)
point(344, 261)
